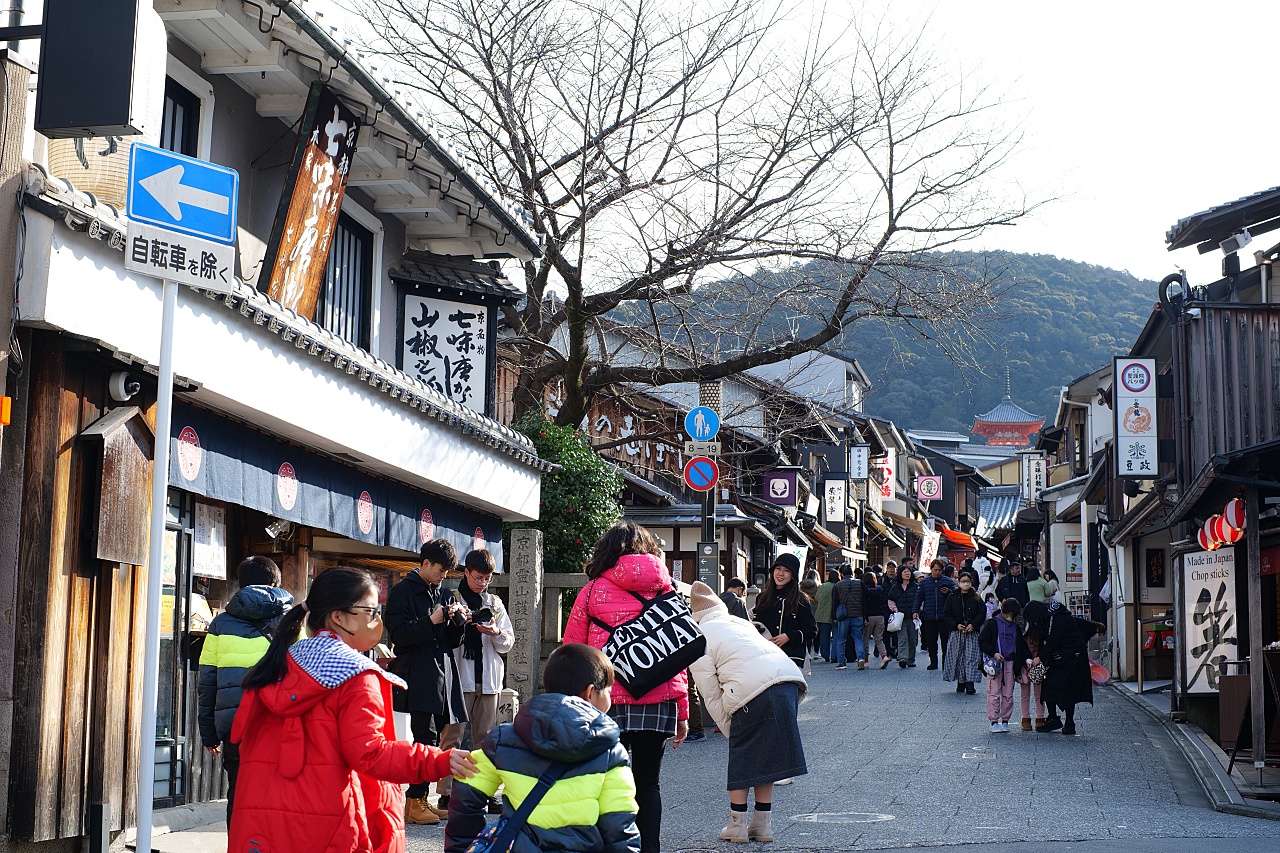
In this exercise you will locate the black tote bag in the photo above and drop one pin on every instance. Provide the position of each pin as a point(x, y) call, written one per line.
point(651, 649)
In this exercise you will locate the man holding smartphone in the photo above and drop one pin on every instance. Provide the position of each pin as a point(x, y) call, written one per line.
point(426, 622)
point(487, 636)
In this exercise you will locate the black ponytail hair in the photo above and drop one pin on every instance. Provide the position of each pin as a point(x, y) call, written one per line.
point(339, 588)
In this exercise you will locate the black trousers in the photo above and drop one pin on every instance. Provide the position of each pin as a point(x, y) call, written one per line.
point(426, 729)
point(646, 750)
point(931, 630)
point(231, 764)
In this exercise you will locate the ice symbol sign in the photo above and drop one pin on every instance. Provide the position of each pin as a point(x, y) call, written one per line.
point(702, 423)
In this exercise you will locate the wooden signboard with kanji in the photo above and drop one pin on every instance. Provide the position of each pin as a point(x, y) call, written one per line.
point(297, 252)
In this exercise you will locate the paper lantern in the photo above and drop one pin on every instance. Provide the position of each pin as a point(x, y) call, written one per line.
point(1209, 532)
point(1234, 513)
point(1205, 542)
point(1217, 526)
point(1231, 535)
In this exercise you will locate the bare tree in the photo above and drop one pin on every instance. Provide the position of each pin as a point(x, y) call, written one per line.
point(670, 158)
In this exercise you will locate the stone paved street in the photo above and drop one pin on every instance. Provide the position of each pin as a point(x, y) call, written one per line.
point(888, 748)
point(898, 760)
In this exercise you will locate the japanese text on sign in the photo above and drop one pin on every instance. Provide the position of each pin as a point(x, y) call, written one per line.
point(445, 344)
point(187, 260)
point(1136, 430)
point(1210, 616)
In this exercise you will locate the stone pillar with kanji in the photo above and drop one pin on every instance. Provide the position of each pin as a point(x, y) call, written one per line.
point(525, 605)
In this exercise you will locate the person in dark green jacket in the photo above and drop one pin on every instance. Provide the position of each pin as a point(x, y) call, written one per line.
point(592, 806)
point(824, 615)
point(238, 637)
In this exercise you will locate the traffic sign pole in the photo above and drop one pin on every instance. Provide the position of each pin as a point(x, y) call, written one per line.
point(155, 572)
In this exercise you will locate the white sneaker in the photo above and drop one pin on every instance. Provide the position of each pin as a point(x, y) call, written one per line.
point(995, 728)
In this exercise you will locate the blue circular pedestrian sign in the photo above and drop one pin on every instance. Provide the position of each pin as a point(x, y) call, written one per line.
point(702, 423)
point(701, 473)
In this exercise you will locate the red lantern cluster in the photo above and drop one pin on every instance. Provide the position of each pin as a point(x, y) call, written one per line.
point(1226, 528)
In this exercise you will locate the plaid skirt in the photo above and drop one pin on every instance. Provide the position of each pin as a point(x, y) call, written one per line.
point(964, 658)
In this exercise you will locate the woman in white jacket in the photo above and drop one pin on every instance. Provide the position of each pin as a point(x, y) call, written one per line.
point(752, 689)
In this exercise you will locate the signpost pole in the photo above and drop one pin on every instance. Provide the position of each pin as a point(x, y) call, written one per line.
point(155, 560)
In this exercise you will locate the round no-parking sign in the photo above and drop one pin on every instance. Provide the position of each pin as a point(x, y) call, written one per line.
point(701, 473)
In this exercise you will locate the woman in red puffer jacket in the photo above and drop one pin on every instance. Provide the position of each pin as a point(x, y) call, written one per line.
point(627, 560)
point(320, 768)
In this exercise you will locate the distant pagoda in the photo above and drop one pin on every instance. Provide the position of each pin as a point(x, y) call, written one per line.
point(1008, 424)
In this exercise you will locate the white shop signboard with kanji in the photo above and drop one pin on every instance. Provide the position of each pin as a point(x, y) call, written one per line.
point(1136, 430)
point(445, 344)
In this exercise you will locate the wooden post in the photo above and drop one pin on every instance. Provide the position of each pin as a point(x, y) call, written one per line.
point(525, 606)
point(1257, 669)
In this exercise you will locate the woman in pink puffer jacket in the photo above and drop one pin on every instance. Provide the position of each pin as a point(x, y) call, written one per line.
point(627, 560)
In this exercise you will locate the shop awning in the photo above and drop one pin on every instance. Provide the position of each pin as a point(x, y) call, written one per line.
point(914, 525)
point(825, 537)
point(959, 540)
point(884, 530)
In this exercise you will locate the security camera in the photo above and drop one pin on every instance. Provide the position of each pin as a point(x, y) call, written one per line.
point(1236, 242)
point(123, 386)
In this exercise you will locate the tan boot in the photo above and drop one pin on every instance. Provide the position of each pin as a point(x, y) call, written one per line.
point(736, 829)
point(417, 810)
point(1026, 724)
point(441, 808)
point(760, 828)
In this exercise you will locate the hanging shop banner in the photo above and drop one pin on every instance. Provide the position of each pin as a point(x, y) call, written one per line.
point(859, 461)
point(310, 201)
point(209, 543)
point(1136, 432)
point(1033, 477)
point(1209, 614)
point(1073, 561)
point(834, 500)
point(929, 547)
point(224, 460)
point(889, 467)
point(445, 345)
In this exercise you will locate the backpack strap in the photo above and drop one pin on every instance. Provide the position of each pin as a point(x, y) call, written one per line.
point(511, 828)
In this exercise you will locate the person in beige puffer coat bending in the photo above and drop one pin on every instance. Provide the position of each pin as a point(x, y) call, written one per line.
point(752, 689)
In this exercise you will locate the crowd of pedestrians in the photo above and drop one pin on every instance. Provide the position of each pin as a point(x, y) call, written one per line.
point(304, 722)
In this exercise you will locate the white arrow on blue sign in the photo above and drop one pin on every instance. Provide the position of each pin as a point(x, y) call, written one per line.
point(183, 194)
point(702, 423)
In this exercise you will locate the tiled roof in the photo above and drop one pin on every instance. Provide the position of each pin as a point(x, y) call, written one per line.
point(422, 268)
point(1221, 221)
point(998, 508)
point(1009, 412)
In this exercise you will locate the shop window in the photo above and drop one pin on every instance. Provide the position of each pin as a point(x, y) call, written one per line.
point(347, 297)
point(180, 125)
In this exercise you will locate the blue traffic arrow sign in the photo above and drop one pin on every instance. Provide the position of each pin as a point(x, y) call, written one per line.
point(702, 423)
point(182, 194)
point(701, 473)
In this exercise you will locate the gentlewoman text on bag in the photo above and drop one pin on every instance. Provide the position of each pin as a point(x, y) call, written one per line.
point(654, 646)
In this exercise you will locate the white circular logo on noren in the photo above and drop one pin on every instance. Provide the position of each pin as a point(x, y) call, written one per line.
point(843, 817)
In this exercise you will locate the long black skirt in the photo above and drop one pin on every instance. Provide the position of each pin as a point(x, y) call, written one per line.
point(764, 739)
point(1068, 681)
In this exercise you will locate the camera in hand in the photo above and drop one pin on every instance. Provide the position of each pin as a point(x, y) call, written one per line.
point(483, 616)
point(458, 618)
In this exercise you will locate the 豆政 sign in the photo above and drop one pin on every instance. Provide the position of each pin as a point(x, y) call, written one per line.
point(1209, 614)
point(1136, 430)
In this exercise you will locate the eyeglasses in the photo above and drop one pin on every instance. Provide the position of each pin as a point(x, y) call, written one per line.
point(375, 611)
point(480, 578)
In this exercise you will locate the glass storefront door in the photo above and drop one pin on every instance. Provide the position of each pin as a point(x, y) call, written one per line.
point(172, 688)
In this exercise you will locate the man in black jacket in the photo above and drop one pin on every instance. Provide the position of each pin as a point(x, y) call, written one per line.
point(848, 594)
point(426, 623)
point(1014, 585)
point(734, 593)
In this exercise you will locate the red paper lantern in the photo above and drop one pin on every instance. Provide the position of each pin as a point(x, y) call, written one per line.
point(1234, 513)
point(1205, 542)
point(1231, 535)
point(1217, 528)
point(1209, 531)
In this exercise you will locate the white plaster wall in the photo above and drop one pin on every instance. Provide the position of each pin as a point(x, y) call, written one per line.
point(78, 285)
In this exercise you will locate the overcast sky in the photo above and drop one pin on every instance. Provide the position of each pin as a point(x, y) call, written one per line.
point(1136, 113)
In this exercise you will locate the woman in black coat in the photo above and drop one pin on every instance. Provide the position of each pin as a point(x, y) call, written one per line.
point(786, 611)
point(964, 612)
point(1064, 653)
